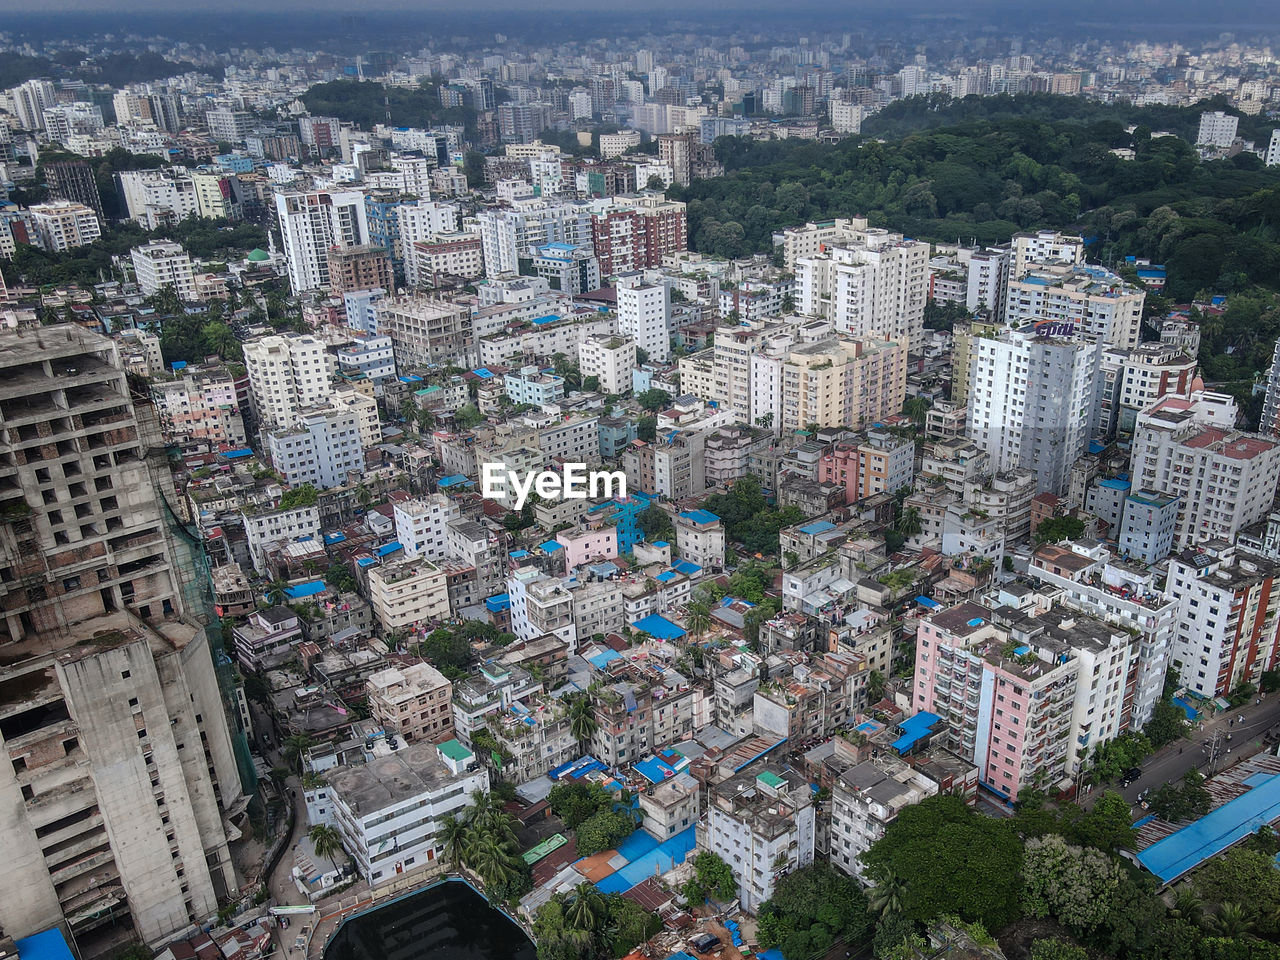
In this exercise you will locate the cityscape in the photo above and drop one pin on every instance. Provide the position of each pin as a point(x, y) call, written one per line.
point(690, 482)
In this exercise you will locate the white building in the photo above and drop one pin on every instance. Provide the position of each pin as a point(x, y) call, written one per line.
point(762, 826)
point(875, 285)
point(311, 223)
point(1044, 247)
point(644, 314)
point(609, 359)
point(508, 234)
point(865, 799)
point(265, 528)
point(1032, 401)
point(287, 373)
point(1098, 303)
point(408, 595)
point(422, 526)
point(323, 448)
point(164, 263)
point(541, 605)
point(1273, 149)
point(1217, 129)
point(390, 812)
point(63, 225)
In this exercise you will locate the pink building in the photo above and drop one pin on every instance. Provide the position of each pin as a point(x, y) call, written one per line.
point(201, 405)
point(587, 545)
point(1009, 702)
point(882, 463)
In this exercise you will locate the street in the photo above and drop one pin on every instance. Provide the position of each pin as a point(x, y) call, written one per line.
point(1177, 758)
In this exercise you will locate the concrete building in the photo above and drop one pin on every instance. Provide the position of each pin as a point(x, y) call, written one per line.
point(842, 382)
point(311, 224)
point(644, 315)
point(569, 269)
point(265, 529)
point(1228, 611)
point(636, 233)
point(288, 373)
point(427, 331)
point(408, 595)
point(511, 233)
point(1100, 305)
point(412, 701)
point(865, 799)
point(1043, 247)
point(610, 359)
point(700, 537)
point(322, 448)
point(875, 286)
point(1217, 129)
point(422, 526)
point(1148, 526)
point(761, 823)
point(164, 263)
point(541, 605)
point(390, 811)
point(881, 463)
point(1224, 479)
point(360, 267)
point(1032, 400)
point(267, 638)
point(62, 225)
point(530, 384)
point(200, 405)
point(114, 726)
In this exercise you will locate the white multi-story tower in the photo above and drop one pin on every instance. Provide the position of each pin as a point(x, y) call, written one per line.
point(1032, 400)
point(1043, 247)
point(511, 233)
point(311, 223)
point(1273, 149)
point(1100, 304)
point(287, 374)
point(161, 264)
point(1217, 129)
point(422, 526)
point(875, 285)
point(644, 311)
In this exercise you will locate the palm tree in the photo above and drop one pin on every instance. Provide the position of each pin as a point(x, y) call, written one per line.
point(587, 910)
point(582, 720)
point(1188, 906)
point(875, 686)
point(494, 861)
point(909, 522)
point(1232, 921)
point(886, 896)
point(454, 836)
point(699, 618)
point(326, 840)
point(275, 591)
point(295, 748)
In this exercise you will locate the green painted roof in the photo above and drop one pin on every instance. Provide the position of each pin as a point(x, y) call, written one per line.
point(455, 750)
point(258, 255)
point(771, 779)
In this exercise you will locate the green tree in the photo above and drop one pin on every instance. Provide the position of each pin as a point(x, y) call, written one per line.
point(1057, 529)
point(952, 859)
point(654, 400)
point(1052, 949)
point(325, 839)
point(295, 748)
point(699, 618)
point(603, 831)
point(1073, 884)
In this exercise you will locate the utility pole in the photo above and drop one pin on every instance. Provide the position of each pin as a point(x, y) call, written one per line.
point(1213, 747)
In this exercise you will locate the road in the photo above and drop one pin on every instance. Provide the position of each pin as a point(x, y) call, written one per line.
point(1176, 759)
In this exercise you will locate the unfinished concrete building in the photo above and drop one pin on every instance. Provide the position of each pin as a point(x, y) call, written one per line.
point(121, 763)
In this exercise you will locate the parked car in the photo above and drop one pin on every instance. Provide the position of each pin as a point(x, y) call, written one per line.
point(1130, 775)
point(704, 942)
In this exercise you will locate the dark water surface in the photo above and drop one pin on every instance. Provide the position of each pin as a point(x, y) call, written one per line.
point(448, 922)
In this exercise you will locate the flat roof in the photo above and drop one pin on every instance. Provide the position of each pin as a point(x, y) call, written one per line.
point(659, 626)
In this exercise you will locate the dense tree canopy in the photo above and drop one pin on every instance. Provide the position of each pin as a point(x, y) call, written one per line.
point(367, 104)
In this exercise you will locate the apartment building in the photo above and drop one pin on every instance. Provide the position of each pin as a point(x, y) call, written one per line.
point(390, 812)
point(359, 267)
point(865, 799)
point(200, 405)
point(408, 595)
point(1099, 304)
point(322, 448)
point(413, 701)
point(1043, 247)
point(164, 263)
point(635, 233)
point(1224, 479)
point(762, 824)
point(311, 224)
point(1228, 607)
point(610, 359)
point(266, 528)
point(842, 382)
point(700, 537)
point(879, 463)
point(422, 526)
point(541, 605)
point(1032, 402)
point(288, 373)
point(62, 225)
point(644, 314)
point(427, 331)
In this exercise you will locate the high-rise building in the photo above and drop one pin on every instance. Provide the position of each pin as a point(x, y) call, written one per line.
point(1094, 300)
point(364, 267)
point(30, 100)
point(287, 373)
point(321, 447)
point(610, 359)
point(1217, 129)
point(842, 382)
point(875, 285)
point(1032, 401)
point(311, 224)
point(427, 331)
point(1270, 423)
point(228, 124)
point(63, 225)
point(1044, 248)
point(1224, 479)
point(522, 122)
point(1228, 604)
point(163, 263)
point(644, 314)
point(73, 180)
point(110, 709)
point(636, 233)
point(510, 234)
point(1273, 149)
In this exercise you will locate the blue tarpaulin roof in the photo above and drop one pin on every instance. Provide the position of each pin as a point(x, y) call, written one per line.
point(483, 372)
point(915, 729)
point(549, 318)
point(658, 626)
point(818, 526)
point(687, 567)
point(654, 770)
point(237, 454)
point(46, 945)
point(300, 590)
point(334, 538)
point(700, 516)
point(551, 546)
point(928, 603)
point(1217, 830)
point(386, 548)
point(366, 562)
point(454, 479)
point(599, 660)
